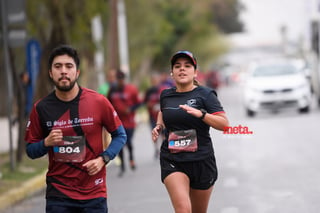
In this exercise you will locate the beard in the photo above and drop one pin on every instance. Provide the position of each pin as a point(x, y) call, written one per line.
point(64, 87)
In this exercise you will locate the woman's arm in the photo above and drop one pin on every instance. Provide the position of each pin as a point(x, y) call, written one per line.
point(218, 121)
point(158, 128)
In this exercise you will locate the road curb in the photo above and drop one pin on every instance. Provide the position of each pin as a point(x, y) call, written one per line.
point(28, 188)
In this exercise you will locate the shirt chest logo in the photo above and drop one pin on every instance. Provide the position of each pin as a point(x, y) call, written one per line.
point(192, 102)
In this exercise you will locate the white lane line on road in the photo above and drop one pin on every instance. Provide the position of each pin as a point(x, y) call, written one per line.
point(230, 210)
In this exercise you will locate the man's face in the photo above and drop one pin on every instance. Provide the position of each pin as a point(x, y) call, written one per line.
point(64, 73)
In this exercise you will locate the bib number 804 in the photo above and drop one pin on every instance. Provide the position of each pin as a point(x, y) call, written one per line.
point(69, 149)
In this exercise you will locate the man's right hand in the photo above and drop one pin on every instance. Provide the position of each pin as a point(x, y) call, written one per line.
point(54, 138)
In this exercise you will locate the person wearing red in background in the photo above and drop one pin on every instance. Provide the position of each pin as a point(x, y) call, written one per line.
point(212, 79)
point(187, 160)
point(166, 80)
point(67, 125)
point(125, 99)
point(152, 102)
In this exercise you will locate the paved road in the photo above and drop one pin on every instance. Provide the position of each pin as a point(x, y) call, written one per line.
point(276, 169)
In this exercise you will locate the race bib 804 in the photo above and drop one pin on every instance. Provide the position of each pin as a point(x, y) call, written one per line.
point(71, 149)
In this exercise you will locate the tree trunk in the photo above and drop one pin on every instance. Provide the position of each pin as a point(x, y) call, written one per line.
point(112, 52)
point(21, 104)
point(57, 37)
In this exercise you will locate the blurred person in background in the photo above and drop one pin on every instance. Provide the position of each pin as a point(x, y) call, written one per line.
point(111, 81)
point(152, 102)
point(125, 99)
point(166, 80)
point(104, 90)
point(26, 85)
point(187, 160)
point(67, 124)
point(213, 79)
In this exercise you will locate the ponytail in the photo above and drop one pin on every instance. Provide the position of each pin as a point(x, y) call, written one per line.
point(196, 82)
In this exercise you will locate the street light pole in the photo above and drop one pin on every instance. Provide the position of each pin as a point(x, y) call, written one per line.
point(112, 50)
point(123, 39)
point(9, 79)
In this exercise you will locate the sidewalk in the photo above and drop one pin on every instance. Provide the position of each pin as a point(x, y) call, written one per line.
point(30, 186)
point(36, 183)
point(27, 189)
point(4, 135)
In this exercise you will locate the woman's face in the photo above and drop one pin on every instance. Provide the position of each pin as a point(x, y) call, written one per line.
point(183, 71)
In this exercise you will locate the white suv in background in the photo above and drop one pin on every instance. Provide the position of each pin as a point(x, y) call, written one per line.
point(276, 84)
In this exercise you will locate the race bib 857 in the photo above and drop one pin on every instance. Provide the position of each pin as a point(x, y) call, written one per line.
point(183, 141)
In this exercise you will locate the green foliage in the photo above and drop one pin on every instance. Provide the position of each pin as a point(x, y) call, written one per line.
point(27, 169)
point(159, 28)
point(74, 17)
point(156, 29)
point(226, 15)
point(54, 22)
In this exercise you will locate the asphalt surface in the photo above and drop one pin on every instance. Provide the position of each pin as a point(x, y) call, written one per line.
point(273, 170)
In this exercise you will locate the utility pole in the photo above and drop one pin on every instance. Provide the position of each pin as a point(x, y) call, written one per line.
point(97, 35)
point(112, 53)
point(123, 39)
point(9, 78)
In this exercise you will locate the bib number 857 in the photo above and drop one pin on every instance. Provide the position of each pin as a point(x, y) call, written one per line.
point(182, 142)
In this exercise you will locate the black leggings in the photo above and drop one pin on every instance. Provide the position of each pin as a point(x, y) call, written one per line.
point(129, 145)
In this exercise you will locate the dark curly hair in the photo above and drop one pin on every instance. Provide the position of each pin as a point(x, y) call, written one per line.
point(64, 50)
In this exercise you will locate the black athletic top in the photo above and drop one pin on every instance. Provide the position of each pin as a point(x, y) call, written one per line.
point(176, 118)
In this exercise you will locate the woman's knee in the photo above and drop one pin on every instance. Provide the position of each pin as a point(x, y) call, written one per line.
point(182, 206)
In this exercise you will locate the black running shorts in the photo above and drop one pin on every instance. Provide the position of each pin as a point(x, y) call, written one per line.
point(202, 174)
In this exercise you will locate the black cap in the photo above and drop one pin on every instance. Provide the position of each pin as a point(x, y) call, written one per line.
point(184, 54)
point(120, 74)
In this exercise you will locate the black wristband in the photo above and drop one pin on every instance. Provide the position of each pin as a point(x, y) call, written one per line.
point(204, 112)
point(161, 125)
point(105, 158)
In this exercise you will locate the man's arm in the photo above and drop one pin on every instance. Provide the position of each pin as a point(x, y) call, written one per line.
point(36, 150)
point(119, 138)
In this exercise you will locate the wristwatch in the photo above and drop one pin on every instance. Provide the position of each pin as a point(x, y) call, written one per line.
point(105, 158)
point(204, 112)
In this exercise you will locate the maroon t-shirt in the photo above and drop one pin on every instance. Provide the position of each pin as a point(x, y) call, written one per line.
point(125, 100)
point(84, 116)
